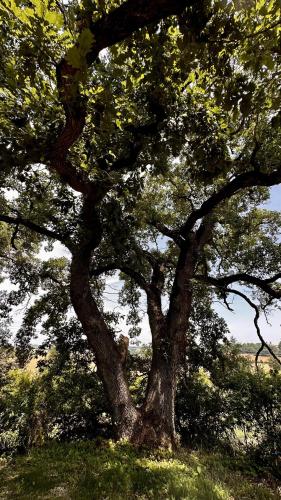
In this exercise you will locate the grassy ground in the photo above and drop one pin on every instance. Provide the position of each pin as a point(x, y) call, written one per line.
point(104, 470)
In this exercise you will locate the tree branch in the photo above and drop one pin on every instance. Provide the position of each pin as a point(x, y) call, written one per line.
point(204, 232)
point(256, 319)
point(47, 275)
point(246, 37)
point(14, 235)
point(246, 278)
point(32, 226)
point(114, 266)
point(166, 231)
point(132, 15)
point(242, 181)
point(222, 286)
point(112, 28)
point(273, 278)
point(139, 135)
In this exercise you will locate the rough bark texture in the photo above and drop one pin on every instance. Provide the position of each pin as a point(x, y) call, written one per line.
point(158, 407)
point(153, 423)
point(168, 350)
point(169, 339)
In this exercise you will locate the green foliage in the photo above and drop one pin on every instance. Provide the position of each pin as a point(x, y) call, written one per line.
point(233, 406)
point(76, 55)
point(208, 81)
point(173, 114)
point(222, 402)
point(62, 401)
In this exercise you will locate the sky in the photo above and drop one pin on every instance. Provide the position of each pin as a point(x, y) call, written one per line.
point(240, 321)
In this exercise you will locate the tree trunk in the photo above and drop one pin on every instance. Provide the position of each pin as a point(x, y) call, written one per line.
point(109, 360)
point(158, 411)
point(169, 337)
point(154, 423)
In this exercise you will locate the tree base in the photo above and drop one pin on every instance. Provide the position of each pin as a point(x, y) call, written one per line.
point(147, 433)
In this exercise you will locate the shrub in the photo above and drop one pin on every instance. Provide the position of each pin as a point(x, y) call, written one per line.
point(58, 402)
point(233, 406)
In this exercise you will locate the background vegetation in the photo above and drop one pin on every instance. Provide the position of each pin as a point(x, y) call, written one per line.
point(228, 413)
point(222, 403)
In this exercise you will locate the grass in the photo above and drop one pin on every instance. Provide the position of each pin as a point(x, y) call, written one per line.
point(104, 470)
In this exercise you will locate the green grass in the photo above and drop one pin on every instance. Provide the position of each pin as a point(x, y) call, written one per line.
point(103, 470)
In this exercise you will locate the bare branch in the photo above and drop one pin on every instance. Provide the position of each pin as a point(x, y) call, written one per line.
point(226, 302)
point(222, 286)
point(256, 322)
point(273, 278)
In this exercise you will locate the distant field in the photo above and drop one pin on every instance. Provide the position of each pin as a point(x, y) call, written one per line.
point(252, 357)
point(264, 360)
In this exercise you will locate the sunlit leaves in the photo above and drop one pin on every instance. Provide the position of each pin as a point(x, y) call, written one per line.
point(37, 9)
point(76, 54)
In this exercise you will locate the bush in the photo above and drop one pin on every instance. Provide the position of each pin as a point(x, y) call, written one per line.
point(233, 406)
point(61, 403)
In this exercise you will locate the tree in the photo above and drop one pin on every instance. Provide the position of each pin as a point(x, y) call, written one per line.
point(173, 130)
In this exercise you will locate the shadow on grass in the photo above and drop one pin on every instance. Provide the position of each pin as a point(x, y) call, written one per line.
point(104, 470)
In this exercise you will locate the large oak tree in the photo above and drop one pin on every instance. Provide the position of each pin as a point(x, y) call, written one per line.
point(143, 136)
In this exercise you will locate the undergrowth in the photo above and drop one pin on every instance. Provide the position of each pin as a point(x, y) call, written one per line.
point(105, 470)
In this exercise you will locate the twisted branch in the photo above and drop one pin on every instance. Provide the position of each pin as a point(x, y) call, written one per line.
point(221, 284)
point(264, 285)
point(242, 181)
point(256, 319)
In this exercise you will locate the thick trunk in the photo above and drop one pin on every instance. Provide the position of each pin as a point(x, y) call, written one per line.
point(159, 407)
point(169, 337)
point(109, 358)
point(158, 411)
point(154, 423)
point(180, 305)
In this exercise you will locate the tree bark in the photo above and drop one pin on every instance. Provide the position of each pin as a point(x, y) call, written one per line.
point(169, 339)
point(159, 403)
point(109, 360)
point(152, 424)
